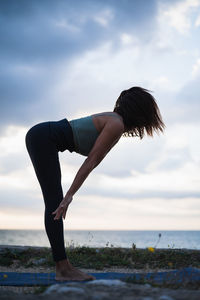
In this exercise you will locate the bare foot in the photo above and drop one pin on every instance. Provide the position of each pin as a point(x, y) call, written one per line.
point(65, 271)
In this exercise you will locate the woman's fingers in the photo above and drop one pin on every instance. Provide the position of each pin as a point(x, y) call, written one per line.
point(56, 212)
point(61, 210)
point(59, 213)
point(57, 209)
point(64, 214)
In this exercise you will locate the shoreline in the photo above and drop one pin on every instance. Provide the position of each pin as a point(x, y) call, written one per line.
point(126, 248)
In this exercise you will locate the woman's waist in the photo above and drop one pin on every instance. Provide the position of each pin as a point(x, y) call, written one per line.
point(62, 134)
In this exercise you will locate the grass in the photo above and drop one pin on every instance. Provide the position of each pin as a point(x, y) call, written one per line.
point(8, 256)
point(98, 258)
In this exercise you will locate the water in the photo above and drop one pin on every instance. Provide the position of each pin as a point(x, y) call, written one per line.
point(103, 238)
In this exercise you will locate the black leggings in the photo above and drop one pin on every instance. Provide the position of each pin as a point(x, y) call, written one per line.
point(43, 141)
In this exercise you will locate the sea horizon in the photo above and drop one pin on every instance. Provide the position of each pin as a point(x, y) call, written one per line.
point(188, 239)
point(106, 229)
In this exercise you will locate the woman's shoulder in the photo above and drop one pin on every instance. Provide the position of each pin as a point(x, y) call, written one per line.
point(103, 118)
point(107, 114)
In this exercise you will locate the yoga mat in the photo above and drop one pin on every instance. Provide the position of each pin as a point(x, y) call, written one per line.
point(36, 279)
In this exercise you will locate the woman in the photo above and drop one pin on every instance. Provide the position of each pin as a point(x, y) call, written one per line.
point(92, 136)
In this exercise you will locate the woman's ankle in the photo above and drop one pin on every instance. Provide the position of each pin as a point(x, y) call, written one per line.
point(63, 263)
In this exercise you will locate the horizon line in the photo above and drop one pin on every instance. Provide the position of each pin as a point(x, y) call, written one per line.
point(105, 229)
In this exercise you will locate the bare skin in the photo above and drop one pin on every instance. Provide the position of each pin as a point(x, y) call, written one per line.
point(64, 269)
point(100, 119)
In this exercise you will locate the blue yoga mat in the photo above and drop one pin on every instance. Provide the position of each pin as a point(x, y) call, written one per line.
point(35, 279)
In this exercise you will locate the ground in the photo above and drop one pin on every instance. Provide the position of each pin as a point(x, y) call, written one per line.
point(93, 260)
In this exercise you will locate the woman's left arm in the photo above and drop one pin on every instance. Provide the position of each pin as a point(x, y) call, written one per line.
point(80, 177)
point(105, 141)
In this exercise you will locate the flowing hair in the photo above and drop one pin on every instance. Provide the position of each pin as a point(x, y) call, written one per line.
point(140, 112)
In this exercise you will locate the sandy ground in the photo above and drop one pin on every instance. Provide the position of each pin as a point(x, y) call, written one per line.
point(50, 270)
point(21, 289)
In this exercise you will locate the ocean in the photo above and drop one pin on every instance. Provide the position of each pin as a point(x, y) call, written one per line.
point(109, 238)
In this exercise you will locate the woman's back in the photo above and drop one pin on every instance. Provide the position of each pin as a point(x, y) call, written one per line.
point(87, 129)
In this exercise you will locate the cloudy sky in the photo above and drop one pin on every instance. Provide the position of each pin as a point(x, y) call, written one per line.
point(68, 59)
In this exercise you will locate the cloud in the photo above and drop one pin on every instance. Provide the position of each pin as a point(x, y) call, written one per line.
point(180, 182)
point(104, 17)
point(135, 215)
point(38, 38)
point(179, 14)
point(66, 25)
point(20, 201)
point(197, 23)
point(57, 44)
point(71, 59)
point(196, 68)
point(187, 102)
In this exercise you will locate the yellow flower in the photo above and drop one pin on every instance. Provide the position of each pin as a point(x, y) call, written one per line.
point(5, 276)
point(151, 249)
point(170, 264)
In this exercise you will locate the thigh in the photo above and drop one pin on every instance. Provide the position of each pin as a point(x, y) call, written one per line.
point(45, 159)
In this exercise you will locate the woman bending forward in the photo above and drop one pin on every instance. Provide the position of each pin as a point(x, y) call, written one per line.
point(93, 136)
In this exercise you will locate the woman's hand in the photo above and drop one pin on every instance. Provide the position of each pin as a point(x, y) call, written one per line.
point(62, 208)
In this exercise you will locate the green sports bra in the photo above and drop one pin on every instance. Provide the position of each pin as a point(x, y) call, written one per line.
point(84, 134)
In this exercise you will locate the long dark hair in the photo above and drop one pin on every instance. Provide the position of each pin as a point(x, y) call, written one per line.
point(139, 111)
